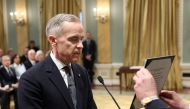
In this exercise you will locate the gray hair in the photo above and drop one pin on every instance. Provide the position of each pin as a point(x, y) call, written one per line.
point(5, 56)
point(38, 53)
point(31, 51)
point(55, 24)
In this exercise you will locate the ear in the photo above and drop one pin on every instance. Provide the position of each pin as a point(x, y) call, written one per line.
point(52, 40)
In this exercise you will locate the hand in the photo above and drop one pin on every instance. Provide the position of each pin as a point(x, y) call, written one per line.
point(145, 85)
point(15, 85)
point(88, 57)
point(5, 88)
point(173, 100)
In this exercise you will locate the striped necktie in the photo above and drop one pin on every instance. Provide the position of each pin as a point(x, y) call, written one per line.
point(71, 86)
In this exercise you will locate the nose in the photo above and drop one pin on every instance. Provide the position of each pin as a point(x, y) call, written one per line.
point(80, 45)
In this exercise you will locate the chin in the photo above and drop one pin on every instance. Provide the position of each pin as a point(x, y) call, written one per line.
point(75, 60)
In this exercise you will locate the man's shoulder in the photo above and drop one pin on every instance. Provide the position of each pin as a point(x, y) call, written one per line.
point(26, 62)
point(77, 66)
point(2, 67)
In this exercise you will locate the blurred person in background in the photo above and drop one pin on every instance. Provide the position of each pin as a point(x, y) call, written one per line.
point(88, 53)
point(24, 57)
point(10, 53)
point(17, 64)
point(32, 46)
point(9, 80)
point(4, 94)
point(31, 59)
point(39, 56)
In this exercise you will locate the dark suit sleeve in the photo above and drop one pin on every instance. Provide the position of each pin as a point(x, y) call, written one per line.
point(29, 93)
point(157, 104)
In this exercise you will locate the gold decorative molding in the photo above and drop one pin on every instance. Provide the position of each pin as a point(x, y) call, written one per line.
point(104, 49)
point(22, 31)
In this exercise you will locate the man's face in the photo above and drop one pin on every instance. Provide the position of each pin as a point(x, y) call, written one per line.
point(11, 53)
point(1, 52)
point(88, 36)
point(6, 61)
point(32, 45)
point(40, 57)
point(31, 55)
point(69, 46)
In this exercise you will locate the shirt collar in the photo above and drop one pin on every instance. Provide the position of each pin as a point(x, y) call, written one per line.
point(6, 68)
point(57, 62)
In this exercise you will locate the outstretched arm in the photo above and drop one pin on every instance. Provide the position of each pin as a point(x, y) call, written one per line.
point(173, 100)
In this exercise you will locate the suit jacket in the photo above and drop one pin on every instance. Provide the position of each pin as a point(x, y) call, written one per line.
point(28, 64)
point(157, 104)
point(6, 78)
point(91, 50)
point(23, 58)
point(43, 87)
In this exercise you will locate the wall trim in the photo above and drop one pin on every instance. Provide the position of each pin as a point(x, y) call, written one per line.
point(108, 73)
point(84, 15)
point(5, 21)
point(40, 25)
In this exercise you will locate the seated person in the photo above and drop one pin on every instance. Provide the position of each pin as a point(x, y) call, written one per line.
point(4, 94)
point(8, 78)
point(31, 59)
point(17, 65)
point(39, 56)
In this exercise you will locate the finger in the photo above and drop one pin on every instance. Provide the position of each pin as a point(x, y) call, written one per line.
point(166, 92)
point(135, 78)
point(145, 72)
point(166, 100)
point(139, 74)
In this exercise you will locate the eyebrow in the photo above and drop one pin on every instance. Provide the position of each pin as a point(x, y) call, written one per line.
point(77, 37)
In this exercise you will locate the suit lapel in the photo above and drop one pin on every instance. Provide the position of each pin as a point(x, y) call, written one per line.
point(78, 85)
point(58, 81)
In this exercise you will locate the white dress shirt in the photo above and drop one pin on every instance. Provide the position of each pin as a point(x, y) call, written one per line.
point(60, 66)
point(32, 62)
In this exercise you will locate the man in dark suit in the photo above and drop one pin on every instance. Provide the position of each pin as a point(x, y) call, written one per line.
point(89, 52)
point(4, 94)
point(24, 57)
point(31, 59)
point(146, 92)
point(58, 82)
point(8, 79)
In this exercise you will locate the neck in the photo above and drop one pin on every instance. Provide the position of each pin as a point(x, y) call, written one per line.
point(17, 63)
point(57, 56)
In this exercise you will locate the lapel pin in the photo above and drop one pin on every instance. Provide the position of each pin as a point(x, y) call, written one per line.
point(79, 74)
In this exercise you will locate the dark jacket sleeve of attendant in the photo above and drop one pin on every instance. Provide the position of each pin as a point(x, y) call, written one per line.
point(157, 104)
